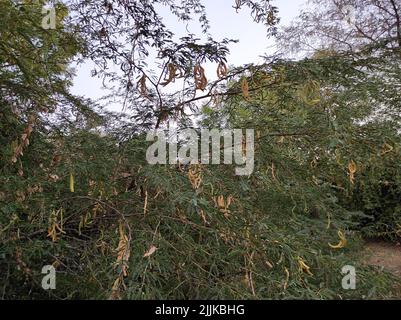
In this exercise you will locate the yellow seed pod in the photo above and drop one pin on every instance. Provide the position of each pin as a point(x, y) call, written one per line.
point(55, 227)
point(72, 183)
point(287, 278)
point(123, 252)
point(221, 202)
point(386, 149)
point(303, 267)
point(342, 243)
point(352, 168)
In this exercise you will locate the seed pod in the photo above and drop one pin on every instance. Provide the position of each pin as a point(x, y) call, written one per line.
point(72, 183)
point(224, 205)
point(163, 116)
point(238, 4)
point(150, 252)
point(287, 278)
point(386, 149)
point(171, 74)
point(195, 176)
point(141, 86)
point(55, 227)
point(216, 98)
point(342, 243)
point(200, 78)
point(109, 7)
point(103, 32)
point(230, 199)
point(123, 251)
point(352, 168)
point(245, 89)
point(18, 148)
point(303, 267)
point(222, 70)
point(203, 216)
point(270, 18)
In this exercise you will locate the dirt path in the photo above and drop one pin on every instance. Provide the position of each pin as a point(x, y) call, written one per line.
point(386, 255)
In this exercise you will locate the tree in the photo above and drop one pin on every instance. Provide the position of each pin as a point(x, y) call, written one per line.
point(345, 25)
point(35, 75)
point(82, 198)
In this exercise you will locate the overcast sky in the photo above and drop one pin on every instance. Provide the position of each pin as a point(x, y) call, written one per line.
point(225, 22)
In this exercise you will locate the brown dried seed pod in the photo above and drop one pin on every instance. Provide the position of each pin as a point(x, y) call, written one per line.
point(223, 205)
point(245, 89)
point(200, 78)
point(171, 74)
point(222, 70)
point(195, 176)
point(203, 216)
point(18, 148)
point(216, 98)
point(103, 32)
point(164, 115)
point(270, 18)
point(141, 86)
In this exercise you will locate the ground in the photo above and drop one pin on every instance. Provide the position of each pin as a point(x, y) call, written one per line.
point(385, 255)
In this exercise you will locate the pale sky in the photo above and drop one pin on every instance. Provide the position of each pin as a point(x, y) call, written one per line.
point(225, 22)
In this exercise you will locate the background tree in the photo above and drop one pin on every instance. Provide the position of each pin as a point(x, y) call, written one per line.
point(367, 33)
point(344, 25)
